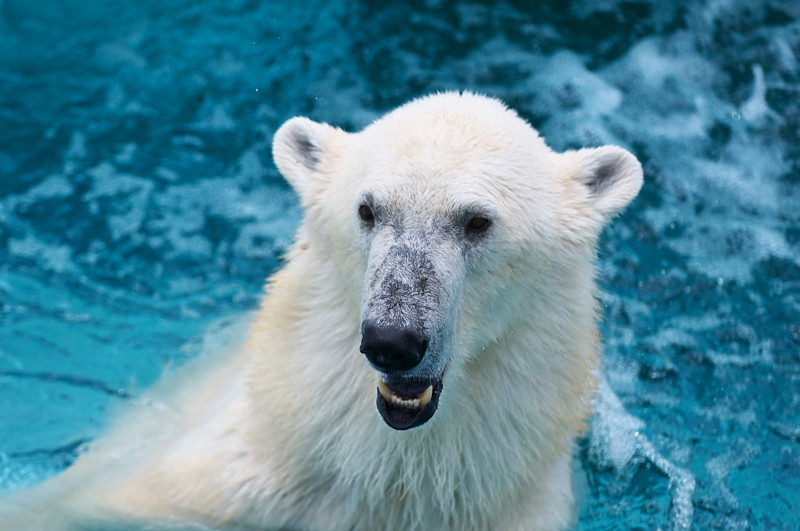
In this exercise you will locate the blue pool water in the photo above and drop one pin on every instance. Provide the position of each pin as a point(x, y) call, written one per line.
point(139, 209)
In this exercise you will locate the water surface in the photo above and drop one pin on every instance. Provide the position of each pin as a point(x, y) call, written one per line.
point(139, 205)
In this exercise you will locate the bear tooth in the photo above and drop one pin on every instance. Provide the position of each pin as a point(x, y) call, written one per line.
point(425, 397)
point(385, 392)
point(421, 401)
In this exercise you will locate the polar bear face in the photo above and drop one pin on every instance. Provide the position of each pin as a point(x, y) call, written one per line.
point(455, 225)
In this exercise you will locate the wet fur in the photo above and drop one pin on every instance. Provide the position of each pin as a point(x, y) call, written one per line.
point(285, 434)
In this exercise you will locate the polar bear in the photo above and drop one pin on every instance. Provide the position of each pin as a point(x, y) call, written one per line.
point(424, 359)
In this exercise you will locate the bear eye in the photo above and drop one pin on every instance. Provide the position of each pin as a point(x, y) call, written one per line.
point(366, 215)
point(477, 224)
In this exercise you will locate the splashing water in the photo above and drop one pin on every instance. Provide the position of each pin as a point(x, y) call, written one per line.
point(138, 204)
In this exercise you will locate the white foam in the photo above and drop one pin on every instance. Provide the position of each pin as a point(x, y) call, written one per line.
point(56, 258)
point(126, 196)
point(52, 187)
point(614, 431)
point(670, 102)
point(574, 98)
point(755, 109)
point(617, 441)
point(76, 152)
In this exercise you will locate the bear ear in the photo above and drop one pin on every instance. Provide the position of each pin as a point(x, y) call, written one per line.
point(300, 148)
point(613, 177)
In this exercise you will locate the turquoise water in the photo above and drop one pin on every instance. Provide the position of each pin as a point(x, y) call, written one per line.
point(139, 206)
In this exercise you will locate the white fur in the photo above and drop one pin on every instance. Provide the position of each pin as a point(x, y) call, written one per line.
point(286, 433)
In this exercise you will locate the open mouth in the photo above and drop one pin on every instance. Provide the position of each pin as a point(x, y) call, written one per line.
point(405, 404)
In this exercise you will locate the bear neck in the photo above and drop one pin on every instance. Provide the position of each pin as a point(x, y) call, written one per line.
point(505, 417)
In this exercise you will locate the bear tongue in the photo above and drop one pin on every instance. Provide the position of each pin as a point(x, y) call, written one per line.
point(419, 401)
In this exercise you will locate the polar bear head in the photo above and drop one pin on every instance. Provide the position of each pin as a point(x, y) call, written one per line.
point(462, 236)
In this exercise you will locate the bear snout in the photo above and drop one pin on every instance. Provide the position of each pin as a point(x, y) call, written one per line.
point(392, 348)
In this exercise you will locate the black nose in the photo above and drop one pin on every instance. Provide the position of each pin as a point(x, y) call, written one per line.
point(392, 348)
